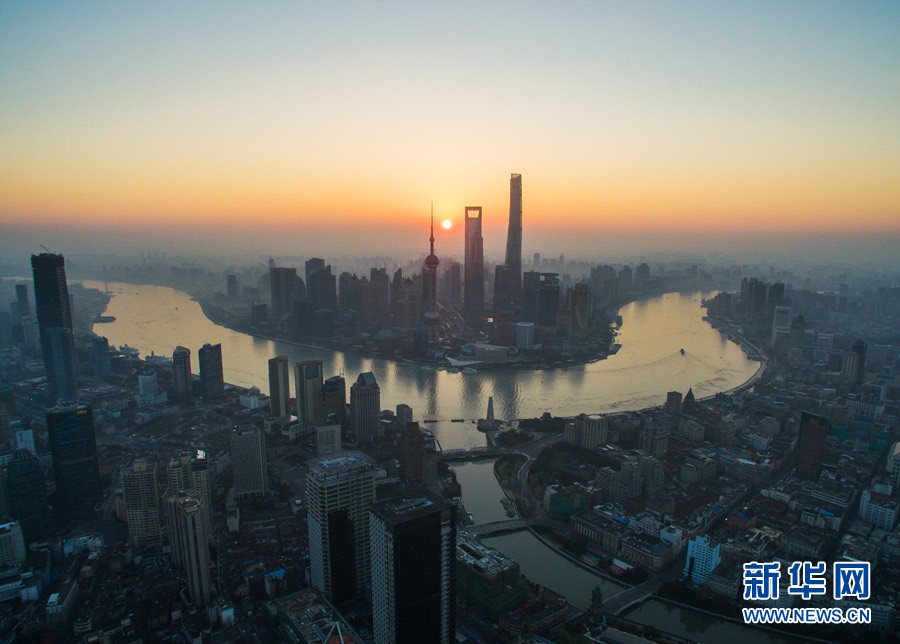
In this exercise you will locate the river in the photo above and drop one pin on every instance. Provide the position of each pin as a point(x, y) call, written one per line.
point(650, 363)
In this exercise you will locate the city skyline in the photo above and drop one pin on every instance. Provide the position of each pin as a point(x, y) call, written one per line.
point(732, 119)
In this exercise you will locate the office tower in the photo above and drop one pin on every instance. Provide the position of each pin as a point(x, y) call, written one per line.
point(655, 441)
point(413, 554)
point(524, 335)
point(454, 274)
point(781, 324)
point(212, 377)
point(232, 287)
point(190, 472)
point(51, 296)
point(404, 415)
point(407, 303)
point(514, 240)
point(189, 539)
point(429, 276)
point(321, 285)
point(365, 407)
point(673, 402)
point(282, 286)
point(308, 380)
point(339, 492)
point(182, 380)
point(625, 279)
point(101, 364)
point(248, 462)
point(581, 305)
point(22, 300)
point(587, 431)
point(12, 546)
point(536, 262)
point(6, 326)
point(328, 440)
point(860, 348)
point(28, 496)
point(502, 289)
point(380, 296)
point(702, 558)
point(813, 429)
point(75, 466)
point(312, 265)
point(474, 287)
point(279, 387)
point(412, 452)
point(547, 300)
point(142, 506)
point(334, 399)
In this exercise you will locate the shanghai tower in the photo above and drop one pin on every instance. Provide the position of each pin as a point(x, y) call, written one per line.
point(51, 297)
point(514, 240)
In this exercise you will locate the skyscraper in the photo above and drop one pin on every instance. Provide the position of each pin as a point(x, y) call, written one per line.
point(379, 293)
point(860, 348)
point(282, 284)
point(181, 373)
point(339, 492)
point(248, 462)
point(365, 407)
point(231, 281)
point(454, 276)
point(474, 287)
point(334, 399)
point(212, 377)
point(75, 465)
point(279, 387)
point(51, 296)
point(189, 472)
point(813, 429)
point(142, 506)
point(308, 378)
point(28, 496)
point(413, 554)
point(101, 363)
point(514, 239)
point(22, 300)
point(189, 539)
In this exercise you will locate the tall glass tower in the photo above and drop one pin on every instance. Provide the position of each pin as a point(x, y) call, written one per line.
point(51, 296)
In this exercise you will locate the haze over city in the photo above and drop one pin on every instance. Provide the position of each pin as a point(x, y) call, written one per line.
point(251, 128)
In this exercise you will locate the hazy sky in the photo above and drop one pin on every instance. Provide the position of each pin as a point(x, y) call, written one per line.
point(295, 118)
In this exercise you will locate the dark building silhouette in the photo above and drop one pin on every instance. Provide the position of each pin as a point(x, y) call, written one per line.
point(182, 380)
point(334, 399)
point(279, 387)
point(429, 276)
point(231, 281)
point(503, 300)
point(412, 452)
point(861, 349)
point(454, 287)
point(813, 430)
point(308, 379)
point(212, 376)
point(28, 496)
point(286, 287)
point(365, 407)
point(380, 295)
point(101, 363)
point(514, 240)
point(51, 296)
point(474, 267)
point(413, 557)
point(75, 465)
point(22, 300)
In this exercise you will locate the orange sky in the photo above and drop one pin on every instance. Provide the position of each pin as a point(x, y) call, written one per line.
point(296, 119)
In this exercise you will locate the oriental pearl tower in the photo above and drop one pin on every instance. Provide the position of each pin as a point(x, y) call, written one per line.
point(429, 284)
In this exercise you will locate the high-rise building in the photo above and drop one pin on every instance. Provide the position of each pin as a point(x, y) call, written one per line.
point(702, 558)
point(308, 378)
point(75, 465)
point(365, 407)
point(212, 375)
point(12, 546)
point(189, 539)
point(190, 472)
point(279, 387)
point(503, 300)
point(334, 399)
point(142, 506)
point(28, 496)
point(249, 462)
point(379, 293)
point(101, 363)
point(182, 380)
point(340, 491)
point(860, 348)
point(404, 415)
point(813, 430)
point(587, 431)
point(413, 554)
point(514, 240)
point(312, 265)
point(412, 452)
point(22, 300)
point(282, 285)
point(54, 314)
point(474, 267)
point(232, 287)
point(454, 275)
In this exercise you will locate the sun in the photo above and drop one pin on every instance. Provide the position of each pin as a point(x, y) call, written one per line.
point(447, 224)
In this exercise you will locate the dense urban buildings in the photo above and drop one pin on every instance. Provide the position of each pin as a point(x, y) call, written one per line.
point(249, 462)
point(141, 497)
